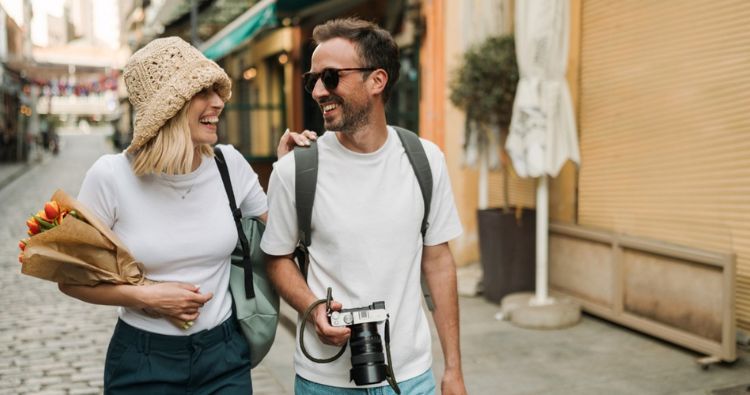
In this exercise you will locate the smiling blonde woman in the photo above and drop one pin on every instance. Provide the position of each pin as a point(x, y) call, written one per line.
point(165, 199)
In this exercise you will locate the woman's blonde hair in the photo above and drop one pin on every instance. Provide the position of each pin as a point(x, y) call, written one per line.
point(171, 151)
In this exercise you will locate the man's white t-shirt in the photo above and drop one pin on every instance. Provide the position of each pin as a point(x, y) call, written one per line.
point(366, 244)
point(180, 227)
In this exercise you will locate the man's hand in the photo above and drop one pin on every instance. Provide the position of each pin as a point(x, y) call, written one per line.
point(331, 335)
point(453, 383)
point(291, 139)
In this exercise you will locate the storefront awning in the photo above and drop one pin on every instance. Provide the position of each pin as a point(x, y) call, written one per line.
point(259, 17)
point(317, 10)
point(292, 6)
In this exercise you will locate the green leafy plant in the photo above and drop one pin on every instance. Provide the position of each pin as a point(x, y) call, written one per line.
point(484, 86)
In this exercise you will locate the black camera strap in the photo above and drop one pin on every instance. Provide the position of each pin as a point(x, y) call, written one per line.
point(389, 375)
point(305, 316)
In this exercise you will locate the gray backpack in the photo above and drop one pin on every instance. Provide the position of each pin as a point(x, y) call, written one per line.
point(306, 177)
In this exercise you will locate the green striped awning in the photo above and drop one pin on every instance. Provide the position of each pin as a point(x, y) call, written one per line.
point(259, 17)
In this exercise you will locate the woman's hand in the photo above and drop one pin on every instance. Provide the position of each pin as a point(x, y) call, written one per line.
point(172, 299)
point(291, 139)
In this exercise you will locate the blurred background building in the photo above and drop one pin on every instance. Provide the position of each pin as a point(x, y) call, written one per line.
point(60, 64)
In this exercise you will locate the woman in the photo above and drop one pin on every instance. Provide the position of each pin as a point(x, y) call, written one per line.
point(165, 199)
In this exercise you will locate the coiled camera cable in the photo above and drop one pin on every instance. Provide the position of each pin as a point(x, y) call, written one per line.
point(389, 377)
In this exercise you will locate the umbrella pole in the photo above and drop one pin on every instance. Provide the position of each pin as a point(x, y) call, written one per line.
point(483, 181)
point(538, 310)
point(542, 226)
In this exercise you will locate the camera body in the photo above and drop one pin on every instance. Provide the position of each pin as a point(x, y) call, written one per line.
point(368, 361)
point(359, 315)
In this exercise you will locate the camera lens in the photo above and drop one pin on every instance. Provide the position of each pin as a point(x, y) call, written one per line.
point(368, 362)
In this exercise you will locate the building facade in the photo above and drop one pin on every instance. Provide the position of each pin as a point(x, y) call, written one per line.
point(660, 94)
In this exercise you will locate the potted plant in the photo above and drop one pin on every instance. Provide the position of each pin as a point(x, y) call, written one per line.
point(484, 86)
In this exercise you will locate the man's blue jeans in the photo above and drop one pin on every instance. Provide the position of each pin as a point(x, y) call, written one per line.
point(423, 384)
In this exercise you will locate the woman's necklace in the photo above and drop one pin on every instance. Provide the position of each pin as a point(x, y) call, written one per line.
point(196, 164)
point(187, 192)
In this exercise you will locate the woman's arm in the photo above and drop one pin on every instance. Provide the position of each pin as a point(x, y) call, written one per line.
point(178, 300)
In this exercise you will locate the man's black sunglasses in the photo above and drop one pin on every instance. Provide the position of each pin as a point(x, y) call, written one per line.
point(330, 77)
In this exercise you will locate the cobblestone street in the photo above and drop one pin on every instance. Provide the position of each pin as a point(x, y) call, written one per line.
point(50, 343)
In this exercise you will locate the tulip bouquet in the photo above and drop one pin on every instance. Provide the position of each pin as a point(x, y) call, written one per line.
point(68, 244)
point(45, 219)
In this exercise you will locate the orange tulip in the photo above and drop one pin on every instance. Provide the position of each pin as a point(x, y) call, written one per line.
point(33, 226)
point(22, 245)
point(41, 214)
point(52, 209)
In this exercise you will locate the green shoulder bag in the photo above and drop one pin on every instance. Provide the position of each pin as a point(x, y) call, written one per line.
point(255, 301)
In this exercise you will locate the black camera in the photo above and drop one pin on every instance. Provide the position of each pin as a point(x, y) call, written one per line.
point(368, 362)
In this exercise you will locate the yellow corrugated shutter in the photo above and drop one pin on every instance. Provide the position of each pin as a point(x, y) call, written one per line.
point(665, 125)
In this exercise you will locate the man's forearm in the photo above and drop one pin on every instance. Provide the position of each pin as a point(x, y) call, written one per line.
point(440, 273)
point(289, 283)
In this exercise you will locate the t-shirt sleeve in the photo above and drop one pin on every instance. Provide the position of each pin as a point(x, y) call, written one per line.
point(98, 191)
point(443, 221)
point(281, 234)
point(251, 198)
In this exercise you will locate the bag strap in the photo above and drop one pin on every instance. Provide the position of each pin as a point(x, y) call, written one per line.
point(421, 166)
point(306, 179)
point(237, 215)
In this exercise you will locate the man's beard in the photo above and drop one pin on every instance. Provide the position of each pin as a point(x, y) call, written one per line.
point(353, 118)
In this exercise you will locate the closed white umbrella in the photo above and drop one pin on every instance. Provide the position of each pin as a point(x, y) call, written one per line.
point(542, 129)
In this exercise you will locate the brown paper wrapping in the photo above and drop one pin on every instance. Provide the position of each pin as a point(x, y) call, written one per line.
point(82, 252)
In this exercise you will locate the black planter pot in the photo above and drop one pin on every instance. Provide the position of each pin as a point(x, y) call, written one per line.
point(507, 251)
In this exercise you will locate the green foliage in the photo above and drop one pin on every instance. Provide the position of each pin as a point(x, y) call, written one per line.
point(485, 83)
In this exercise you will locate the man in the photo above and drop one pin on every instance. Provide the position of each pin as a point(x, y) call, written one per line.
point(366, 220)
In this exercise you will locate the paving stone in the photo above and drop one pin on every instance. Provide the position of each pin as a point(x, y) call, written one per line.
point(61, 372)
point(43, 380)
point(92, 369)
point(85, 363)
point(85, 391)
point(46, 391)
point(90, 376)
point(69, 385)
point(8, 383)
point(9, 370)
point(48, 366)
point(98, 383)
point(29, 388)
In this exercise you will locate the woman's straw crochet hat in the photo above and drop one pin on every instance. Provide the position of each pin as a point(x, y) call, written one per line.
point(161, 77)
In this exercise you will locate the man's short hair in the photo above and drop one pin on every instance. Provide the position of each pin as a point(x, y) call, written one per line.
point(374, 44)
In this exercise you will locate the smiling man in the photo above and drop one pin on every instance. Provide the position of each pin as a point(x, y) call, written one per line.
point(367, 243)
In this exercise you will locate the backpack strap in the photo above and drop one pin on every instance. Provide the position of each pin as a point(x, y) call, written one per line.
point(306, 179)
point(420, 164)
point(237, 215)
